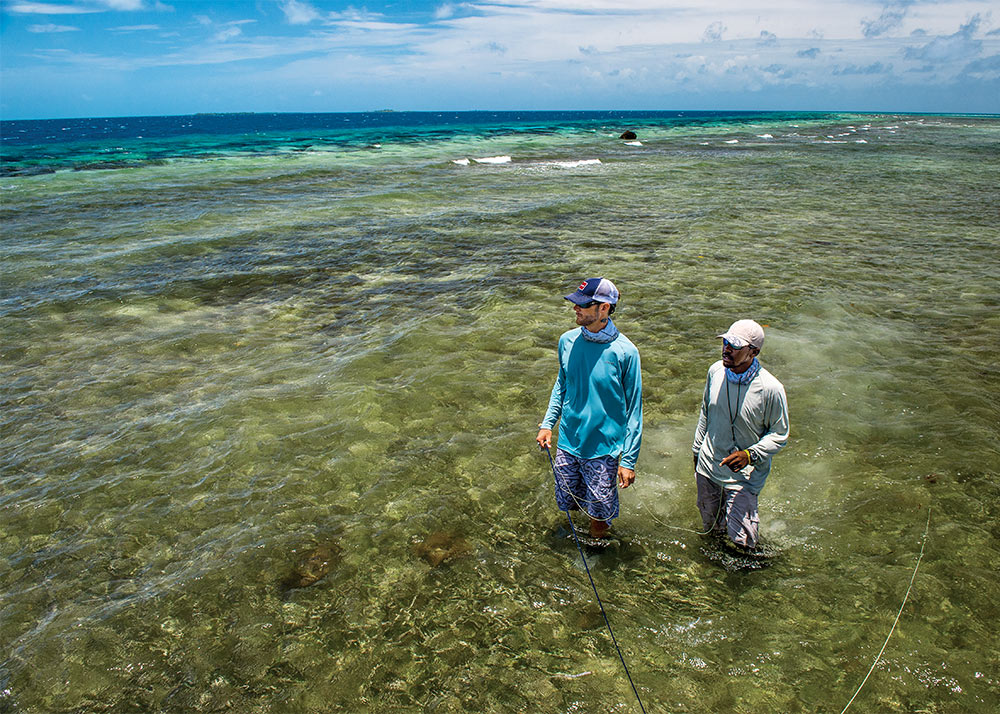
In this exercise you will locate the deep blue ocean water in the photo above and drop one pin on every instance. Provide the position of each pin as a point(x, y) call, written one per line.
point(269, 386)
point(116, 142)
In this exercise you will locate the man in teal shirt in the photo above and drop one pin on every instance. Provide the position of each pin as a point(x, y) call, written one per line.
point(597, 400)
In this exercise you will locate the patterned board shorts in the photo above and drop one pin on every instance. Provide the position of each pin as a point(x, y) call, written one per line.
point(590, 485)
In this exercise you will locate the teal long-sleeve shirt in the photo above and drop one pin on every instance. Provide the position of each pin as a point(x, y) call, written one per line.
point(597, 398)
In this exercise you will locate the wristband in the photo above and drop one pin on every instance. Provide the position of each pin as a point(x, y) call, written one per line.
point(749, 456)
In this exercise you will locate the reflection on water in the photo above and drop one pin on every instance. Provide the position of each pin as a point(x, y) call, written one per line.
point(268, 426)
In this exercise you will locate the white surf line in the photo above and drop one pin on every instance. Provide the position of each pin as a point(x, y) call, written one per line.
point(898, 614)
point(493, 160)
point(574, 164)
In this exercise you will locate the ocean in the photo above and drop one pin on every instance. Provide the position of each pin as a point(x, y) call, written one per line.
point(269, 388)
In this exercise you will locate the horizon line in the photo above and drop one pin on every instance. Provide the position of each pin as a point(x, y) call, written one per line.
point(520, 111)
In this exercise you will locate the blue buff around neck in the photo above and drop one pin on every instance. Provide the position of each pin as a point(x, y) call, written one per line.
point(608, 333)
point(745, 377)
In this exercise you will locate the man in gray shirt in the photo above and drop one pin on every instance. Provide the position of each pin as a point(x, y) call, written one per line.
point(743, 423)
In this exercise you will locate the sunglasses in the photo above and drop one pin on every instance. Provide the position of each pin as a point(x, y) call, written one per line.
point(727, 343)
point(590, 304)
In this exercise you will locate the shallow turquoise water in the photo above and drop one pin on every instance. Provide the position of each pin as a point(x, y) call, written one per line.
point(212, 366)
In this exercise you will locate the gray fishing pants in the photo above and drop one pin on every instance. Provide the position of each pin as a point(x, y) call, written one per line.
point(737, 517)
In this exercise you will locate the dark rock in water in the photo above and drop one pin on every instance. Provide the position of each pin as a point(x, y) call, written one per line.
point(313, 566)
point(26, 171)
point(107, 165)
point(589, 618)
point(628, 135)
point(441, 546)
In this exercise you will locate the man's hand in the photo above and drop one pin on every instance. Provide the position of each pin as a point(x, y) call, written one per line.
point(544, 438)
point(736, 460)
point(625, 477)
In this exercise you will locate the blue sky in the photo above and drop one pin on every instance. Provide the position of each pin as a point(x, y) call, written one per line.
point(69, 58)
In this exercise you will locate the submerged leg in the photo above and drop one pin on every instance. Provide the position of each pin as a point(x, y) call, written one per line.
point(742, 519)
point(599, 529)
point(569, 486)
point(601, 478)
point(709, 504)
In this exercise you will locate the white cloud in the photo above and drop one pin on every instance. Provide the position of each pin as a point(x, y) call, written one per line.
point(228, 33)
point(959, 46)
point(768, 39)
point(52, 28)
point(214, 53)
point(299, 13)
point(648, 45)
point(988, 68)
point(373, 26)
point(127, 5)
point(134, 28)
point(890, 19)
point(41, 8)
point(444, 11)
point(353, 14)
point(713, 33)
point(872, 69)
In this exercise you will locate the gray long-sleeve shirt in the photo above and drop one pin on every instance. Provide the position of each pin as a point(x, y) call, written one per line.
point(757, 413)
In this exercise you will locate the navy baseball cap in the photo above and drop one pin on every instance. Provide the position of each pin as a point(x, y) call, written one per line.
point(599, 289)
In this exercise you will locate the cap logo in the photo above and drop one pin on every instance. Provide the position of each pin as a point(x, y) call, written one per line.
point(582, 285)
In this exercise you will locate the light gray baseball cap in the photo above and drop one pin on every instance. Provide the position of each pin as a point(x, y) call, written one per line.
point(744, 332)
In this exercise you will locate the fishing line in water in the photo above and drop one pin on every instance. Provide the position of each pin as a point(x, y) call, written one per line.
point(594, 586)
point(715, 520)
point(576, 538)
point(561, 483)
point(898, 614)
